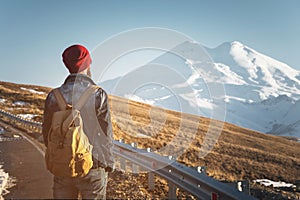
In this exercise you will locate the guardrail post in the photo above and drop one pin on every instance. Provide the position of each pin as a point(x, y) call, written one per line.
point(151, 180)
point(122, 160)
point(134, 166)
point(172, 191)
point(123, 164)
point(135, 169)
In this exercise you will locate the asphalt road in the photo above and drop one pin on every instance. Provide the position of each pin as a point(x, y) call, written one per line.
point(24, 161)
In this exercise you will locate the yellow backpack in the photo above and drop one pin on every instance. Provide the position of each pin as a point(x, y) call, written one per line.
point(69, 152)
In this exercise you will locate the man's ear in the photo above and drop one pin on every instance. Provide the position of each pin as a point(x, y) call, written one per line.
point(89, 73)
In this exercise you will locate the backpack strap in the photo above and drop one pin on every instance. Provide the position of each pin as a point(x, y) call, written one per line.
point(60, 99)
point(82, 100)
point(85, 96)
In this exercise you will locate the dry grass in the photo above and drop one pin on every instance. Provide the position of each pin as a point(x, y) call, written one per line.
point(12, 93)
point(238, 154)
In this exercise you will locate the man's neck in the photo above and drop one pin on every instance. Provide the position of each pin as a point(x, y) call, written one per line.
point(86, 72)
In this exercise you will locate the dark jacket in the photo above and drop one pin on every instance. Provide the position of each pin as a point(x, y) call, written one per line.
point(95, 113)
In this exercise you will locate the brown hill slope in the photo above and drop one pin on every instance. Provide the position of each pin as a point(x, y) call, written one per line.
point(238, 154)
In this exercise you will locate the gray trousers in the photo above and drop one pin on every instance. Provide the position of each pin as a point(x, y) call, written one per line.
point(92, 186)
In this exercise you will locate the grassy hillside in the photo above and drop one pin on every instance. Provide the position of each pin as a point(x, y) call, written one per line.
point(238, 154)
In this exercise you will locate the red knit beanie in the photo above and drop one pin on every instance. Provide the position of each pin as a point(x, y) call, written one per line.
point(76, 58)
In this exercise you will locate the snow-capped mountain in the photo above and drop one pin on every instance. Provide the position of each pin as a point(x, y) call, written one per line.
point(256, 91)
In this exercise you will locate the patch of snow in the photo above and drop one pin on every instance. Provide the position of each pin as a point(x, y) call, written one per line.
point(240, 55)
point(229, 77)
point(189, 62)
point(19, 103)
point(2, 100)
point(194, 42)
point(196, 102)
point(32, 91)
point(228, 98)
point(267, 182)
point(162, 98)
point(139, 99)
point(3, 182)
point(140, 135)
point(27, 116)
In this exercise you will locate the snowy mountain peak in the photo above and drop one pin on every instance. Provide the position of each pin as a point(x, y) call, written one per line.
point(261, 74)
point(248, 57)
point(236, 43)
point(261, 93)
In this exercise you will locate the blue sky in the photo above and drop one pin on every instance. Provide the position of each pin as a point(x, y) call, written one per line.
point(34, 33)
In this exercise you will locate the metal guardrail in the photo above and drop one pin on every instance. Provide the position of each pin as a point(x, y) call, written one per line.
point(178, 175)
point(37, 126)
point(198, 184)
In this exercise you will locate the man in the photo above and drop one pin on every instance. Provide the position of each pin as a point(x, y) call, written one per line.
point(96, 123)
